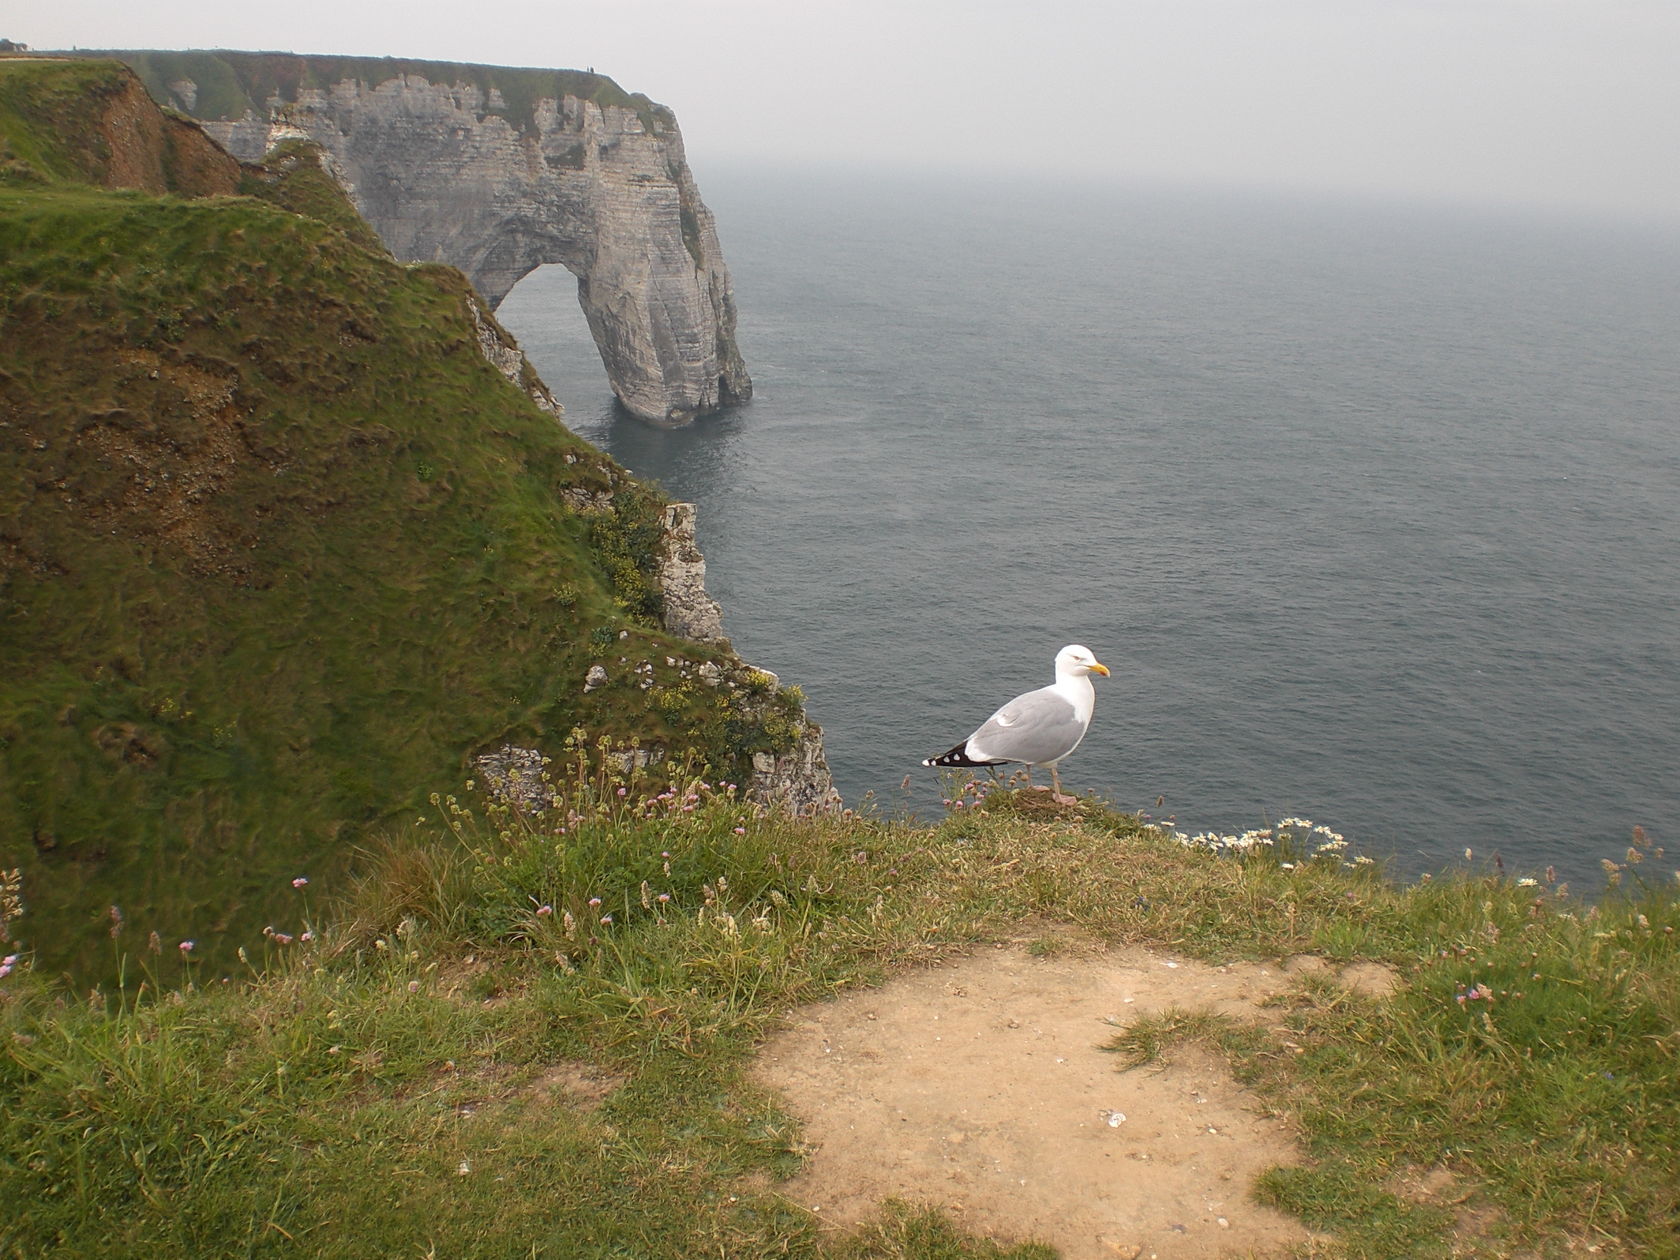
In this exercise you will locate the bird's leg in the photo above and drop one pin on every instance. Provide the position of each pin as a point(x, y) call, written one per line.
point(1058, 796)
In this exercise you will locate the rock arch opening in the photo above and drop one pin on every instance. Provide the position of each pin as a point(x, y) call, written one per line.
point(542, 310)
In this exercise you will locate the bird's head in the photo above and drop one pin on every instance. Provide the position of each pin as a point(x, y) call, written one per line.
point(1078, 661)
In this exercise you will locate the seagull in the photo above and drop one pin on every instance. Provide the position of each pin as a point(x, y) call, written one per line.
point(1040, 727)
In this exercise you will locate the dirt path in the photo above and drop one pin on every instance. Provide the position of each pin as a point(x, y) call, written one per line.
point(982, 1087)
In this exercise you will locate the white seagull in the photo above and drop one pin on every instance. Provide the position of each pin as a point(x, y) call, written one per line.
point(1039, 728)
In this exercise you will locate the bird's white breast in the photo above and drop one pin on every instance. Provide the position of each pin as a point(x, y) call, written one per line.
point(1081, 695)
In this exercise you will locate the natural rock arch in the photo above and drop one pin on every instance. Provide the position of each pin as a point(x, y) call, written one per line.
point(499, 171)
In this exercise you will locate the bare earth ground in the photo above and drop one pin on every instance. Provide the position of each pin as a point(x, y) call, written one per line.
point(981, 1087)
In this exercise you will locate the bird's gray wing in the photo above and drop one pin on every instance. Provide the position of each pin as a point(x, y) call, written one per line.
point(1035, 728)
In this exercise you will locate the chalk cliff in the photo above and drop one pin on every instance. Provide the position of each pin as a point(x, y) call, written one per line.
point(498, 171)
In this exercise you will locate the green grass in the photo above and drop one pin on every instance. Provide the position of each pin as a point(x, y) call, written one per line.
point(404, 1068)
point(1531, 1050)
point(291, 177)
point(279, 550)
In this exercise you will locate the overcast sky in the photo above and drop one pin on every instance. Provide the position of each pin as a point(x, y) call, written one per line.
point(1564, 103)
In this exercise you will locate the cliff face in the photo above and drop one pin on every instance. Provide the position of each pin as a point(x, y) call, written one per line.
point(498, 171)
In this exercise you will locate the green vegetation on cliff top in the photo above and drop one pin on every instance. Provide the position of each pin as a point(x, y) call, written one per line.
point(50, 122)
point(77, 122)
point(230, 84)
point(531, 1036)
point(279, 549)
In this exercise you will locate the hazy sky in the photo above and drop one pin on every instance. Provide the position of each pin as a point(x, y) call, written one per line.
point(1570, 103)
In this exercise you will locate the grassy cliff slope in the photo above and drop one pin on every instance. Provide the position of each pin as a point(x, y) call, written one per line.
point(279, 549)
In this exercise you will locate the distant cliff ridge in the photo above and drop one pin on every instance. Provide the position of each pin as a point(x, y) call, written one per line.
point(498, 171)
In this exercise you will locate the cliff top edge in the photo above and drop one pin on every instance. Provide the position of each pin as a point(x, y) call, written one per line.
point(231, 82)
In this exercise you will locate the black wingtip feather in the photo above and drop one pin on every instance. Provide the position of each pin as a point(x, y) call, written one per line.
point(958, 756)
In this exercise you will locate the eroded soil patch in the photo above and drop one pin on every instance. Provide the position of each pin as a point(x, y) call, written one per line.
point(982, 1087)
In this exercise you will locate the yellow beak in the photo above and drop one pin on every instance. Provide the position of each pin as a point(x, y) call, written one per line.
point(1097, 667)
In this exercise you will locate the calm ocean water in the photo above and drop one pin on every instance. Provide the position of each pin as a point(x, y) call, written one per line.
point(1374, 512)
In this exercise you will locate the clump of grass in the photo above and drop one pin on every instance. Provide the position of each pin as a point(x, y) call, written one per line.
point(626, 535)
point(907, 1231)
point(1149, 1037)
point(1368, 1223)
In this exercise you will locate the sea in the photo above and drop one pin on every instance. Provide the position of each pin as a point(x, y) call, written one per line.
point(1372, 509)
